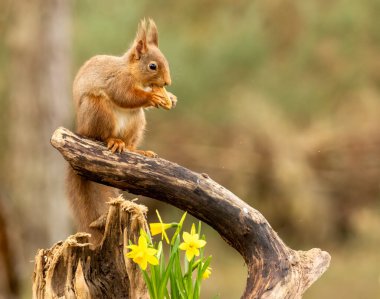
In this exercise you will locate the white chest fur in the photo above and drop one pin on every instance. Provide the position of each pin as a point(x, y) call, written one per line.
point(126, 119)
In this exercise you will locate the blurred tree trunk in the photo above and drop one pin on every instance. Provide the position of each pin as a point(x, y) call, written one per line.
point(38, 38)
point(9, 282)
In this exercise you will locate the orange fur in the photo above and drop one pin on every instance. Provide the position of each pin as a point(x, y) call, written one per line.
point(109, 95)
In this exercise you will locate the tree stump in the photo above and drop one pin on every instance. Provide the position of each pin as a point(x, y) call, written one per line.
point(72, 269)
point(274, 270)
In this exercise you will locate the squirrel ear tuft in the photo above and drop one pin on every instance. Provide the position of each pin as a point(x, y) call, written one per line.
point(140, 40)
point(140, 48)
point(152, 33)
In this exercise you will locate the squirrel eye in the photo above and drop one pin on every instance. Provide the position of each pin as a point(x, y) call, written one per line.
point(152, 66)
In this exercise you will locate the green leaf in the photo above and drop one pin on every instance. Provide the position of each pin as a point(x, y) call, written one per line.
point(189, 279)
point(147, 237)
point(155, 280)
point(165, 276)
point(203, 268)
point(173, 286)
point(166, 294)
point(181, 290)
point(199, 228)
point(179, 228)
point(197, 289)
point(162, 261)
point(159, 249)
point(195, 265)
point(178, 274)
point(149, 285)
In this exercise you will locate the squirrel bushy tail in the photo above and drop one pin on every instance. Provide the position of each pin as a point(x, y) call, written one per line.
point(88, 202)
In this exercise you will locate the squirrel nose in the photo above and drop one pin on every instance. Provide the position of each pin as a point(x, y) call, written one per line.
point(167, 81)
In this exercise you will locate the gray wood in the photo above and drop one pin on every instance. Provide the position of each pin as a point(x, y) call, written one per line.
point(274, 270)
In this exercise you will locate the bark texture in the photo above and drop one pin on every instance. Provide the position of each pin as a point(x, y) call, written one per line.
point(72, 269)
point(274, 270)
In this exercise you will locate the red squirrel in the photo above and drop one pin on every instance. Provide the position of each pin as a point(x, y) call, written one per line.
point(110, 94)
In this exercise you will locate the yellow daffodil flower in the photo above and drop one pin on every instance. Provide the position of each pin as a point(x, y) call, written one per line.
point(191, 243)
point(142, 254)
point(207, 273)
point(160, 228)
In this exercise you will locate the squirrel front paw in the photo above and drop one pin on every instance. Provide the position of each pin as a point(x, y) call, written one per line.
point(161, 98)
point(172, 98)
point(116, 144)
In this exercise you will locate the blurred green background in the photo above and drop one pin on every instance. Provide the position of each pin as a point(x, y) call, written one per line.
point(279, 101)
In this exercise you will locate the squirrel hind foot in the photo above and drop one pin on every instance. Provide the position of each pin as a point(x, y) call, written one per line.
point(149, 154)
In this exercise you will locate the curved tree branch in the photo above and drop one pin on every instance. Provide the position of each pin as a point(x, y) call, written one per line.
point(274, 270)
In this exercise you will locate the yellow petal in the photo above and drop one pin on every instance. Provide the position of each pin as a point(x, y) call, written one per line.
point(152, 260)
point(189, 254)
point(155, 228)
point(183, 246)
point(165, 236)
point(200, 243)
point(186, 237)
point(133, 247)
point(193, 229)
point(159, 216)
point(151, 251)
point(138, 259)
point(207, 273)
point(143, 264)
point(142, 242)
point(196, 251)
point(131, 254)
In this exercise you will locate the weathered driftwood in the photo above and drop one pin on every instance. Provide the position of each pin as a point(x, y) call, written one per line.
point(274, 270)
point(72, 269)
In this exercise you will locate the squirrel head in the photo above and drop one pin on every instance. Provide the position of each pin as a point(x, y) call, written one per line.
point(147, 63)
